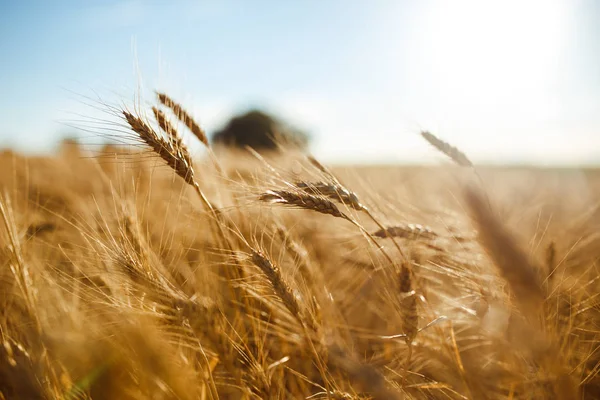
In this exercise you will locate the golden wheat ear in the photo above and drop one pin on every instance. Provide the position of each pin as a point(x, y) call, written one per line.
point(406, 231)
point(303, 200)
point(184, 117)
point(333, 191)
point(456, 155)
point(166, 126)
point(178, 160)
point(279, 284)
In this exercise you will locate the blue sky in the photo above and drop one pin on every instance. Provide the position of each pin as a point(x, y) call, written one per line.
point(506, 81)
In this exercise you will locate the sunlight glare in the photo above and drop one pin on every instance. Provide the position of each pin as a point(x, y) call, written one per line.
point(489, 57)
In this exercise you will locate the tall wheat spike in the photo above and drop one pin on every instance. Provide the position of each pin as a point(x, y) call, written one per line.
point(167, 127)
point(332, 191)
point(408, 231)
point(303, 200)
point(279, 284)
point(456, 155)
point(184, 117)
point(180, 163)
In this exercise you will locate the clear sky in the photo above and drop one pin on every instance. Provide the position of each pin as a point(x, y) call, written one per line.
point(506, 81)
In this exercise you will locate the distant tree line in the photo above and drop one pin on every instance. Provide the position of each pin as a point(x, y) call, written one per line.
point(260, 131)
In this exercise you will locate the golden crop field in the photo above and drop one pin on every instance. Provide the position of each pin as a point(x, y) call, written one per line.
point(133, 273)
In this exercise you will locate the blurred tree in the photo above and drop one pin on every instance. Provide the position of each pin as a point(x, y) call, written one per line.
point(69, 146)
point(260, 131)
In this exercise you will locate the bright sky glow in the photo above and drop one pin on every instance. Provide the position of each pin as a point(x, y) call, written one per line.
point(506, 81)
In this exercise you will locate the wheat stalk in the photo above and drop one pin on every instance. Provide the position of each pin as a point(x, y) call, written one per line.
point(208, 322)
point(17, 265)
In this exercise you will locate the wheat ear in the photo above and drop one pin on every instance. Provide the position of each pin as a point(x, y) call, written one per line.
point(184, 117)
point(179, 162)
point(456, 155)
point(279, 284)
point(408, 304)
point(408, 231)
point(167, 127)
point(303, 200)
point(333, 191)
point(298, 253)
point(341, 193)
point(321, 205)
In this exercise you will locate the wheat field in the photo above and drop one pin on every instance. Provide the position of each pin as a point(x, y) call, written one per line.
point(145, 272)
